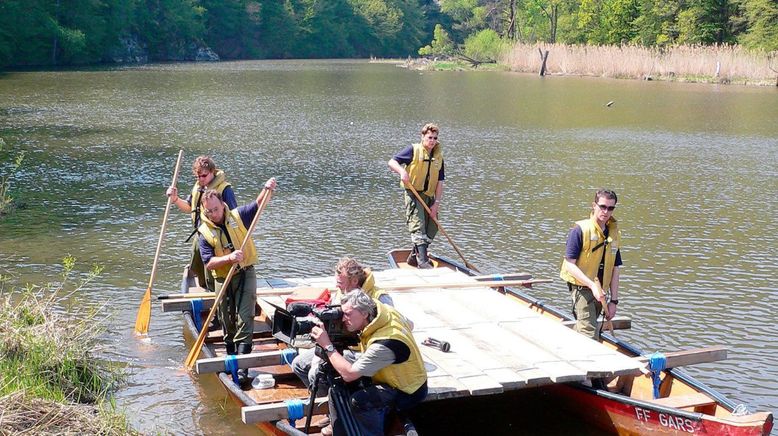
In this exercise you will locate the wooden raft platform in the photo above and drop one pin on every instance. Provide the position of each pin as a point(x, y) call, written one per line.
point(497, 344)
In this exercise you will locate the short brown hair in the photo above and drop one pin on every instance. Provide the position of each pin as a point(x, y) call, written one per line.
point(430, 127)
point(352, 268)
point(211, 193)
point(203, 163)
point(607, 193)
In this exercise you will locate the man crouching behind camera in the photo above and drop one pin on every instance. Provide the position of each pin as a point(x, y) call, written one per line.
point(389, 356)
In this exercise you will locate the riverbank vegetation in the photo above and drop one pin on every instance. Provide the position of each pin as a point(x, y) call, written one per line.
point(57, 32)
point(9, 166)
point(50, 380)
point(713, 64)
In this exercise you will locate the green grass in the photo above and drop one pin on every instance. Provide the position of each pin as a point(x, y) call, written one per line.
point(47, 363)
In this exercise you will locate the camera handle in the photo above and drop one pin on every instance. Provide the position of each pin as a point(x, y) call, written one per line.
point(338, 395)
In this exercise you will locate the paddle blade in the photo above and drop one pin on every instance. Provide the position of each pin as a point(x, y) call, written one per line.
point(144, 314)
point(194, 353)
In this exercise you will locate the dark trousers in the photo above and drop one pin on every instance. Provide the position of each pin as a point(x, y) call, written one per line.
point(370, 406)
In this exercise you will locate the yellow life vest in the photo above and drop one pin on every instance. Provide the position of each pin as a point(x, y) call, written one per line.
point(424, 169)
point(217, 239)
point(591, 251)
point(219, 184)
point(389, 324)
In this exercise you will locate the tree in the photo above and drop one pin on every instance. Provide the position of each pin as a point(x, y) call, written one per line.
point(441, 45)
point(762, 19)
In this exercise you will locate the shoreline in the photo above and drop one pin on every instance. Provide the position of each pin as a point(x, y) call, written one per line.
point(722, 65)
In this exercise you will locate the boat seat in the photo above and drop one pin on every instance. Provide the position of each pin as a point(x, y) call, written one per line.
point(684, 401)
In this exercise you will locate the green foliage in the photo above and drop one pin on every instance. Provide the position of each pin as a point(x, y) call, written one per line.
point(484, 46)
point(762, 19)
point(8, 170)
point(441, 45)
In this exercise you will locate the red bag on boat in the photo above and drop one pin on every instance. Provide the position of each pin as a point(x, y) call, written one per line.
point(312, 295)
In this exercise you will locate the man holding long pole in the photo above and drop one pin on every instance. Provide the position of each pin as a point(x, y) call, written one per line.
point(223, 231)
point(421, 166)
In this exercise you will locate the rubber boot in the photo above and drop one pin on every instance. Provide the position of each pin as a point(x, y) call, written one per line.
point(243, 373)
point(411, 260)
point(422, 258)
point(230, 346)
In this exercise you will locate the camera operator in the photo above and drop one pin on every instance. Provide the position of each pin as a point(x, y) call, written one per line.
point(349, 274)
point(390, 357)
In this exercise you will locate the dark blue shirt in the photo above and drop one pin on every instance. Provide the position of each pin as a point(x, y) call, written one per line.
point(246, 213)
point(405, 156)
point(575, 242)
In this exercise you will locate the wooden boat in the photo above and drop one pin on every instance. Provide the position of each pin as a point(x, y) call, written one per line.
point(684, 406)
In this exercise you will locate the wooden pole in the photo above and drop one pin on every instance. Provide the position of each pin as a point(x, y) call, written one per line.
point(144, 311)
point(429, 214)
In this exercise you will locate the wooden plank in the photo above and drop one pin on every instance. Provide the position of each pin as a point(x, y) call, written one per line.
point(692, 357)
point(593, 358)
point(477, 356)
point(184, 304)
point(684, 401)
point(620, 322)
point(253, 360)
point(276, 411)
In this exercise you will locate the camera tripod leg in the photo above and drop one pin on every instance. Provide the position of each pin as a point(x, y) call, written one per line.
point(314, 388)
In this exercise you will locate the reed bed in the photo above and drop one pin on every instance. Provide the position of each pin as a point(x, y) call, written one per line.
point(712, 64)
point(50, 380)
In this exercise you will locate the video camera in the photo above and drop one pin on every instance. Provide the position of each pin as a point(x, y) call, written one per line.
point(294, 323)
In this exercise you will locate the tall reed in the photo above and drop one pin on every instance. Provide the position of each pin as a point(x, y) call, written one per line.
point(50, 380)
point(719, 64)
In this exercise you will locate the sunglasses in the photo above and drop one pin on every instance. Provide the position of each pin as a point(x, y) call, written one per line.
point(604, 207)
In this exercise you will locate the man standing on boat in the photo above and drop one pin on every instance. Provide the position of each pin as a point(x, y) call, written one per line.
point(223, 231)
point(591, 264)
point(389, 356)
point(207, 176)
point(421, 166)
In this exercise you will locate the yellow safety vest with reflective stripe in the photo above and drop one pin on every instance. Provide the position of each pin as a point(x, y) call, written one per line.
point(389, 324)
point(594, 243)
point(218, 184)
point(424, 169)
point(217, 239)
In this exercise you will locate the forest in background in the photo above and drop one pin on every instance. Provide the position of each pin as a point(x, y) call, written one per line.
point(76, 32)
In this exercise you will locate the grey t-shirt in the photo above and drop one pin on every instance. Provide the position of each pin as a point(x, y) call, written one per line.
point(375, 358)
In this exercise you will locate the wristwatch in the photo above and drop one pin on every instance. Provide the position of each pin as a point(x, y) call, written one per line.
point(329, 349)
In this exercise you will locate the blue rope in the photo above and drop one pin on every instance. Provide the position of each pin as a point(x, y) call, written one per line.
point(288, 355)
point(231, 366)
point(294, 410)
point(197, 308)
point(498, 277)
point(656, 363)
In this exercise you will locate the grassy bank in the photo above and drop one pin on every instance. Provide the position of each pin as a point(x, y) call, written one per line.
point(50, 381)
point(708, 64)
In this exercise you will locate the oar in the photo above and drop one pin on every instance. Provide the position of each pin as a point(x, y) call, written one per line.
point(523, 277)
point(266, 292)
point(429, 213)
point(144, 311)
point(195, 351)
point(426, 285)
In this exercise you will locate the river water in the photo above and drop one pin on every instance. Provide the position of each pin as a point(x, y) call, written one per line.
point(694, 166)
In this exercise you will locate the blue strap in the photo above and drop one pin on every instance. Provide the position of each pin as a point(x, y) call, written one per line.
point(197, 309)
point(656, 363)
point(231, 366)
point(294, 410)
point(288, 355)
point(498, 277)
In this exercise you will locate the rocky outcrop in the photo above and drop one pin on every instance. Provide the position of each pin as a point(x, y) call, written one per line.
point(129, 50)
point(191, 51)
